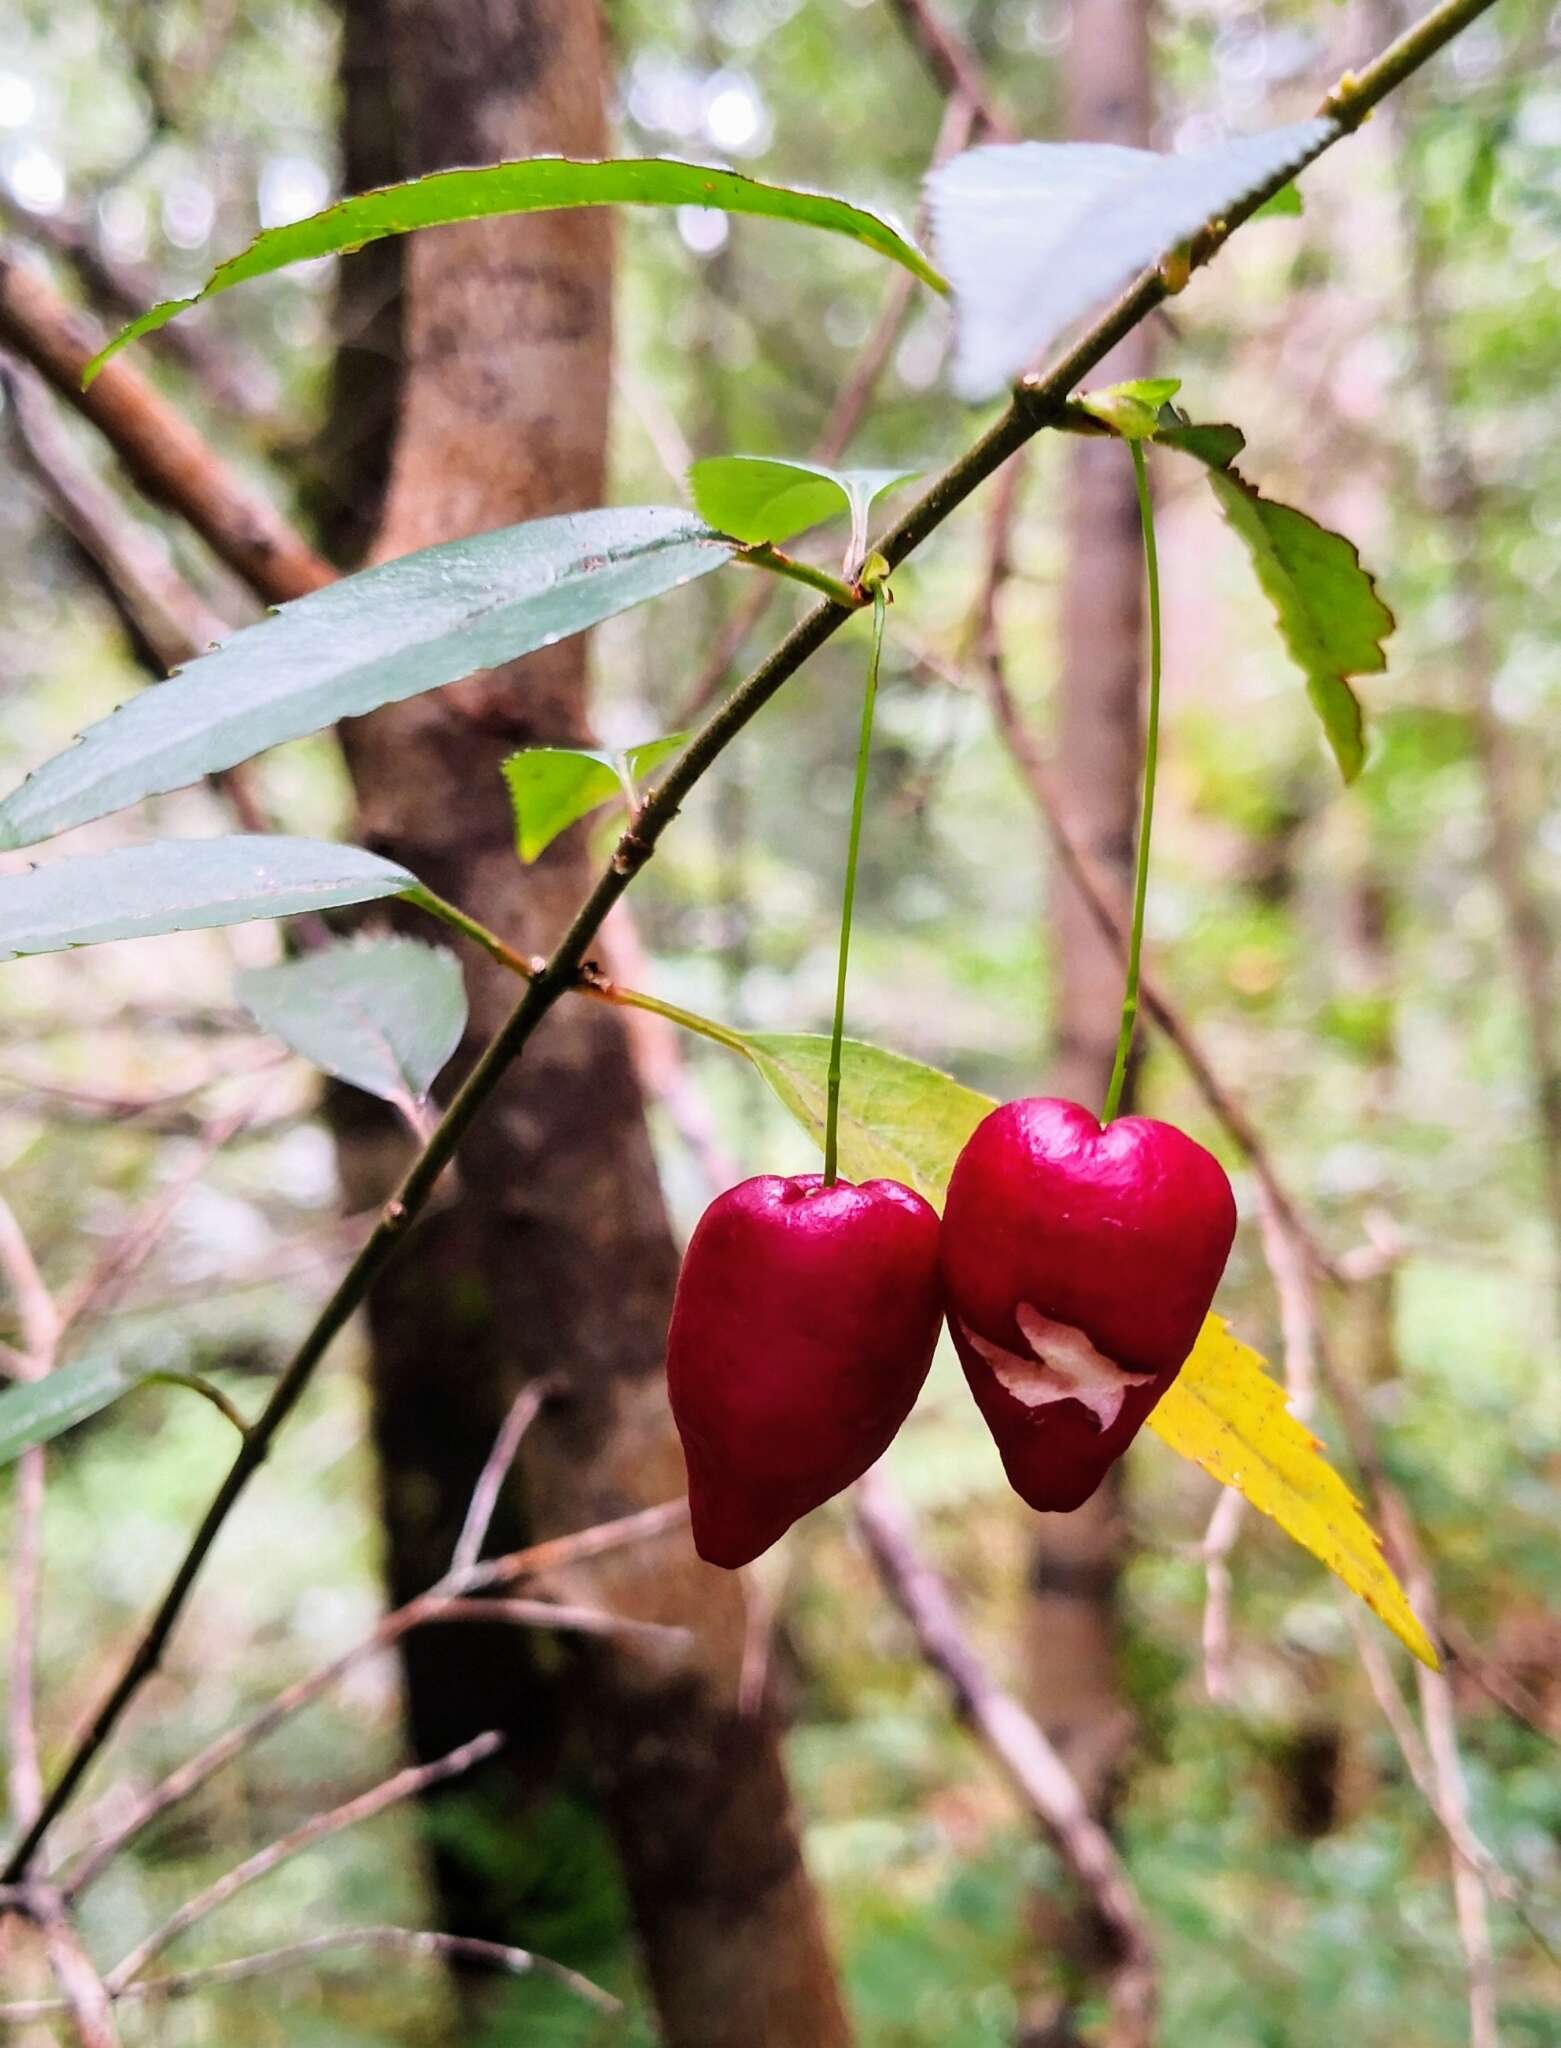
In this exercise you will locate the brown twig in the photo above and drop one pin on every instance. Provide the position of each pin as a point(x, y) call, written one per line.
point(1417, 1757)
point(1494, 1679)
point(956, 69)
point(167, 622)
point(462, 1948)
point(557, 1614)
point(1450, 1803)
point(105, 1105)
point(535, 1561)
point(1433, 1761)
point(118, 1265)
point(407, 1784)
point(238, 385)
point(524, 1410)
point(1022, 1750)
point(39, 1325)
point(162, 451)
point(159, 607)
point(84, 1994)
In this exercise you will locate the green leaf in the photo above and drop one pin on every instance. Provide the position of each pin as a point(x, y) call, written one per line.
point(383, 1013)
point(34, 1412)
point(176, 885)
point(1134, 409)
point(758, 498)
point(1217, 445)
point(532, 185)
point(1285, 205)
point(550, 787)
point(425, 619)
point(899, 1120)
point(1330, 617)
point(1225, 1413)
point(648, 756)
point(1034, 235)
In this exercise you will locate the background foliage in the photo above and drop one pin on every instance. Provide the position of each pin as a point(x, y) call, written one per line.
point(1341, 954)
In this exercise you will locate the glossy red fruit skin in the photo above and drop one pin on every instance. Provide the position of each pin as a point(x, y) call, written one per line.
point(803, 1326)
point(1121, 1233)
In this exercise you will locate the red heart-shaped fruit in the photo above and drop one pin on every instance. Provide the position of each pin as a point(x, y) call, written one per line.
point(1078, 1265)
point(805, 1319)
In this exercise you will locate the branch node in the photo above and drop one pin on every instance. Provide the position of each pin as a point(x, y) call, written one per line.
point(1342, 104)
point(632, 852)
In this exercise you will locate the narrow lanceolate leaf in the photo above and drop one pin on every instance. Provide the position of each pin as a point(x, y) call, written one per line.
point(551, 787)
point(1330, 617)
point(759, 498)
point(34, 1412)
point(1227, 1415)
point(404, 626)
point(534, 185)
point(177, 885)
point(899, 1120)
point(383, 1014)
point(1034, 235)
point(907, 1121)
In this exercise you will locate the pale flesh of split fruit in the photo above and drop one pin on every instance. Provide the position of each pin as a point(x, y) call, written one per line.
point(1065, 1366)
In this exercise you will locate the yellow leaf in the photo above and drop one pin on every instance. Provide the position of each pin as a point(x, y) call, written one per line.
point(1226, 1414)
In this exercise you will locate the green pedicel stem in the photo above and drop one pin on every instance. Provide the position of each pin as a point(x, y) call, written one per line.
point(1146, 808)
point(858, 804)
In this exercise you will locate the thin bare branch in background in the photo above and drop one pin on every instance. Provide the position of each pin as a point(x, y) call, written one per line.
point(167, 456)
point(85, 1996)
point(524, 1410)
point(1293, 1286)
point(1417, 1754)
point(39, 1325)
point(404, 1785)
point(584, 1621)
point(237, 382)
point(1471, 1866)
point(113, 1105)
point(515, 1962)
point(1021, 1748)
point(99, 1288)
point(956, 69)
point(161, 611)
point(1219, 1540)
point(166, 621)
point(557, 1554)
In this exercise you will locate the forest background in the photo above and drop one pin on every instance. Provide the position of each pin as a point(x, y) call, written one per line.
point(1367, 971)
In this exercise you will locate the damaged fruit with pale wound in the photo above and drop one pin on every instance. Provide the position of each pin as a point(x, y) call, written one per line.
point(1078, 1261)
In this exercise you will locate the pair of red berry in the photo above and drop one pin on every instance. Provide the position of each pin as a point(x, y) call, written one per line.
point(1075, 1265)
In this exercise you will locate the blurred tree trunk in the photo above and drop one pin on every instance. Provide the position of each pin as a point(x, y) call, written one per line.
point(1070, 1624)
point(625, 1769)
